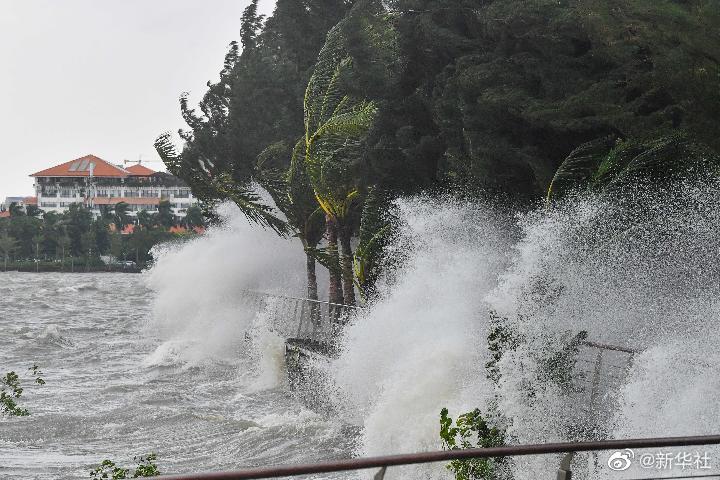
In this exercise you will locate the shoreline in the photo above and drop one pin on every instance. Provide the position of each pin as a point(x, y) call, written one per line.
point(80, 269)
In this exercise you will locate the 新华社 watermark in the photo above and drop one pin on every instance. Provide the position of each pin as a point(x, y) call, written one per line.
point(624, 459)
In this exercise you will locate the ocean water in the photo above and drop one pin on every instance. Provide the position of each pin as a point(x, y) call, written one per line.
point(173, 362)
point(117, 388)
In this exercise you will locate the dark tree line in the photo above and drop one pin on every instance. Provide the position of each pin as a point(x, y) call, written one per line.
point(29, 234)
point(337, 107)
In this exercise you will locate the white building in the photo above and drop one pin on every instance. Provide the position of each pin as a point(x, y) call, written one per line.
point(93, 182)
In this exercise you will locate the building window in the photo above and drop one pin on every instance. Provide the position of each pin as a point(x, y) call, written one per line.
point(48, 205)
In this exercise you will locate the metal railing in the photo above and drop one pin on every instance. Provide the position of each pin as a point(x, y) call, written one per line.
point(314, 322)
point(598, 369)
point(447, 455)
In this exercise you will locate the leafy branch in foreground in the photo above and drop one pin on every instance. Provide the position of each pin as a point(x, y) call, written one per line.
point(471, 430)
point(11, 391)
point(108, 469)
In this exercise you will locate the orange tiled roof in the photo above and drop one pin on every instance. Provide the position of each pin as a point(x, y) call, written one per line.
point(5, 214)
point(139, 170)
point(129, 201)
point(30, 201)
point(80, 167)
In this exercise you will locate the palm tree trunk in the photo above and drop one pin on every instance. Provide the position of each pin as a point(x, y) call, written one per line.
point(347, 267)
point(312, 287)
point(335, 293)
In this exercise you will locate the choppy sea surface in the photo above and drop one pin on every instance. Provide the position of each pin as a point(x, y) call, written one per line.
point(173, 362)
point(108, 397)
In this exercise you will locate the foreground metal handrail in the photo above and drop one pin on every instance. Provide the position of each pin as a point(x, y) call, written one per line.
point(446, 455)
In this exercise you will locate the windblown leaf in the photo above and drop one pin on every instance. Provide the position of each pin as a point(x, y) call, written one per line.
point(579, 167)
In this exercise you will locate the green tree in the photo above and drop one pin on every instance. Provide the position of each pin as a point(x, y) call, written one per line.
point(337, 122)
point(121, 217)
point(109, 470)
point(25, 229)
point(295, 198)
point(101, 231)
point(32, 211)
point(89, 247)
point(78, 221)
point(8, 246)
point(611, 165)
point(257, 102)
point(165, 216)
point(494, 95)
point(118, 247)
point(473, 431)
point(106, 212)
point(63, 244)
point(16, 210)
point(194, 217)
point(53, 229)
point(145, 219)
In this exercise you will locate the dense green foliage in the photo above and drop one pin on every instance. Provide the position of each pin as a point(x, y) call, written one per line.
point(328, 101)
point(76, 240)
point(11, 390)
point(146, 467)
point(471, 430)
point(611, 166)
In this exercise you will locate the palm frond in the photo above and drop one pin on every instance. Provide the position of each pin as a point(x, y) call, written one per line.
point(250, 204)
point(167, 152)
point(326, 258)
point(578, 168)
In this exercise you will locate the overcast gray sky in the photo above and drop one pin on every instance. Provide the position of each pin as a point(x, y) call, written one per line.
point(102, 76)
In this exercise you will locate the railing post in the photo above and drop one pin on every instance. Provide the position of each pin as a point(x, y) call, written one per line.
point(564, 472)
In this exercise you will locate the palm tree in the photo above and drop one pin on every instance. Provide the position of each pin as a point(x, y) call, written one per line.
point(121, 215)
point(211, 184)
point(376, 228)
point(335, 126)
point(609, 164)
point(294, 197)
point(106, 212)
